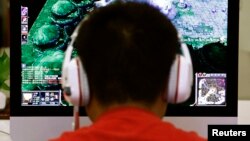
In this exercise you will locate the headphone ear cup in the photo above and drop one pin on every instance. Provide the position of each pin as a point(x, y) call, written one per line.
point(173, 80)
point(76, 88)
point(180, 79)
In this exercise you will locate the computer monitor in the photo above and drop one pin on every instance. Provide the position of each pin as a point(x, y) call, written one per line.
point(40, 32)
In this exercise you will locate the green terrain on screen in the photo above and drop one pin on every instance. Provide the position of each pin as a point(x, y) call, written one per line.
point(48, 38)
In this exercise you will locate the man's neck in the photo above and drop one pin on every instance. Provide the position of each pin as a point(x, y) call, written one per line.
point(95, 109)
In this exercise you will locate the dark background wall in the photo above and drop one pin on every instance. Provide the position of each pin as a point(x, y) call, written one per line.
point(4, 23)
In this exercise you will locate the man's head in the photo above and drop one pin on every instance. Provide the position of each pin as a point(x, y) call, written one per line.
point(127, 50)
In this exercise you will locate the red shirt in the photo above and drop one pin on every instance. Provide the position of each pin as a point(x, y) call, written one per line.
point(129, 124)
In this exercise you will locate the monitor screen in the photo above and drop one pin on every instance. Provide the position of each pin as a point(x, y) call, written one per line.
point(45, 34)
point(208, 27)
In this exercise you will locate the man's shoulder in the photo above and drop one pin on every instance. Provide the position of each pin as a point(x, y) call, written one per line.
point(159, 132)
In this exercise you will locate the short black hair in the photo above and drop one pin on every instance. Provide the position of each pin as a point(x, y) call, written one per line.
point(127, 50)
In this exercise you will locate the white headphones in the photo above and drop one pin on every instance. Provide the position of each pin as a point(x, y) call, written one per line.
point(75, 80)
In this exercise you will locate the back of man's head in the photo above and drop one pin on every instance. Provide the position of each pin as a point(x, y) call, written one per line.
point(127, 50)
